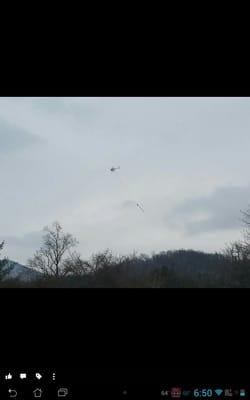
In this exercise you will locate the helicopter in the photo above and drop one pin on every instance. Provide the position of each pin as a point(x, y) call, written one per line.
point(114, 169)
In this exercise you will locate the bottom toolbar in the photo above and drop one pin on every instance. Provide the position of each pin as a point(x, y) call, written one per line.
point(76, 384)
point(161, 392)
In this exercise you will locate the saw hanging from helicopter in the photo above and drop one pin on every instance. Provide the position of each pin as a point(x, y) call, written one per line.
point(113, 169)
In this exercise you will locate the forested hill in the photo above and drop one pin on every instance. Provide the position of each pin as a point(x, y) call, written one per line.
point(167, 269)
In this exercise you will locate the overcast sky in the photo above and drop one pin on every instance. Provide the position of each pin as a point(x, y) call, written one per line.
point(186, 160)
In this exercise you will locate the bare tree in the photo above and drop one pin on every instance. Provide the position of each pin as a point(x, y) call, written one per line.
point(102, 260)
point(74, 265)
point(246, 217)
point(240, 250)
point(2, 263)
point(4, 267)
point(50, 258)
point(236, 252)
point(246, 233)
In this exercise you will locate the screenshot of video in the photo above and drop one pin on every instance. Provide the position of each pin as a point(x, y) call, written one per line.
point(125, 192)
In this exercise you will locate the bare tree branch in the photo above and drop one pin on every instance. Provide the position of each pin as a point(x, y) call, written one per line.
point(50, 259)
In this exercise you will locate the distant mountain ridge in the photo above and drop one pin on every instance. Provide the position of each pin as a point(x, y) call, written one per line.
point(20, 272)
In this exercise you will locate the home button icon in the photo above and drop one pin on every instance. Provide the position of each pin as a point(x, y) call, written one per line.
point(37, 393)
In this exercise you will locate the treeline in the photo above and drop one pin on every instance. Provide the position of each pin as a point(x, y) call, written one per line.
point(170, 269)
point(60, 266)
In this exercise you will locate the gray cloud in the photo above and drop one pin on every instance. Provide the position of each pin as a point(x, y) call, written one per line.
point(128, 204)
point(218, 211)
point(58, 106)
point(31, 240)
point(13, 137)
